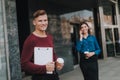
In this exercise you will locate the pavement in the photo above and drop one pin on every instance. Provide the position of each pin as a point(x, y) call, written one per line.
point(109, 69)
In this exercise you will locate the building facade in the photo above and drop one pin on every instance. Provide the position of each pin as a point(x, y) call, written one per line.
point(64, 18)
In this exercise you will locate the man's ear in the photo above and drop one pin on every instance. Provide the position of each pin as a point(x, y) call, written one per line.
point(34, 22)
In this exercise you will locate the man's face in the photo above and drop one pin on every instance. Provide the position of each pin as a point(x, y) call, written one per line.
point(41, 22)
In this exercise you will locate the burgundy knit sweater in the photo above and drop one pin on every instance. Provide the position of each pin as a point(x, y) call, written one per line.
point(27, 61)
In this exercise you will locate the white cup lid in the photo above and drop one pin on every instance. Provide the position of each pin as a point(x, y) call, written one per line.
point(60, 60)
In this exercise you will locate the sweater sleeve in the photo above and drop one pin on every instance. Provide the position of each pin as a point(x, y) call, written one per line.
point(26, 57)
point(54, 54)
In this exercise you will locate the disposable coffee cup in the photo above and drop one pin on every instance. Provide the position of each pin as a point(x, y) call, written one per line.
point(86, 52)
point(59, 61)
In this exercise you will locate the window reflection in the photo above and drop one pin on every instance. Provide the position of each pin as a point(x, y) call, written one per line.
point(113, 47)
point(108, 35)
point(109, 42)
point(117, 41)
point(109, 14)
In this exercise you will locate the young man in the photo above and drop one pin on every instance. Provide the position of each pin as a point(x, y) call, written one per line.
point(39, 38)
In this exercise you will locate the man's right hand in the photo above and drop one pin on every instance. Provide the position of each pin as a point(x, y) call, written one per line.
point(50, 66)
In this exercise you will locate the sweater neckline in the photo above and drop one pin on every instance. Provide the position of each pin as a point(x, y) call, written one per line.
point(39, 36)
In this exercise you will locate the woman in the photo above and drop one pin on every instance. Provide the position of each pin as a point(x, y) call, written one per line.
point(89, 49)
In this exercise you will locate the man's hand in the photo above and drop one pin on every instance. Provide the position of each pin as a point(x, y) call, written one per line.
point(50, 66)
point(59, 66)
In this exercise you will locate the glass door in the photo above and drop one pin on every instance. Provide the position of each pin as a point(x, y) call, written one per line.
point(112, 41)
point(117, 41)
point(110, 28)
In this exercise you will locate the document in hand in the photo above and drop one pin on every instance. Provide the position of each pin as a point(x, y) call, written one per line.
point(43, 55)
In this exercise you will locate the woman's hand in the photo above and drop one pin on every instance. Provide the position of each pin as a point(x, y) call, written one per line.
point(81, 35)
point(90, 54)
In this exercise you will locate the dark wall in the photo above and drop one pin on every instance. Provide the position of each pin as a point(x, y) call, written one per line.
point(98, 29)
point(119, 5)
point(23, 21)
point(62, 6)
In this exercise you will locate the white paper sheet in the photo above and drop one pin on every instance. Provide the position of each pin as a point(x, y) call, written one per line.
point(43, 55)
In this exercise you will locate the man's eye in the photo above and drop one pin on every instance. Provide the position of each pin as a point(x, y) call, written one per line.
point(40, 20)
point(45, 20)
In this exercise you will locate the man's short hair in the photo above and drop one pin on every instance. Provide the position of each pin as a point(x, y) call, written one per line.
point(38, 13)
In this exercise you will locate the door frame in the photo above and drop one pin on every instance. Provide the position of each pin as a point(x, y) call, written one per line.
point(103, 27)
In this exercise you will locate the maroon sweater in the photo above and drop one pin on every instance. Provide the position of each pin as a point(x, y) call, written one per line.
point(27, 61)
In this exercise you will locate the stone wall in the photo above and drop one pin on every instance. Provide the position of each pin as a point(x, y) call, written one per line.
point(13, 42)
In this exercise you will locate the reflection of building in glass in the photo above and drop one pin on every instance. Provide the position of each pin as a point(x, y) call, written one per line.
point(107, 19)
point(65, 29)
point(78, 17)
point(108, 35)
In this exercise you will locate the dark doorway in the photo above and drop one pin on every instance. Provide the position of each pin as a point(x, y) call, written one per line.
point(98, 30)
point(23, 21)
point(74, 37)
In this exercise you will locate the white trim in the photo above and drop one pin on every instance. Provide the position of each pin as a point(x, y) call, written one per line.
point(103, 33)
point(107, 26)
point(114, 1)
